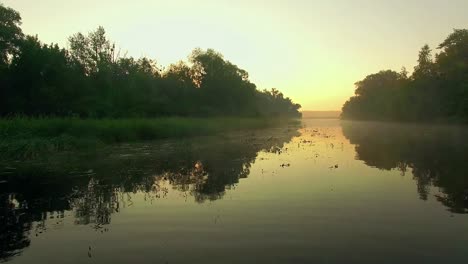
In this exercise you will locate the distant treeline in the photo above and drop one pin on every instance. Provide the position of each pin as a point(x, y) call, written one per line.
point(93, 79)
point(437, 90)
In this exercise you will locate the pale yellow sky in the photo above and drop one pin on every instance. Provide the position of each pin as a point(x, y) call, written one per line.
point(313, 51)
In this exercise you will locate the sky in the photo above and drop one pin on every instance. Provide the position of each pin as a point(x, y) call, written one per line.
point(311, 50)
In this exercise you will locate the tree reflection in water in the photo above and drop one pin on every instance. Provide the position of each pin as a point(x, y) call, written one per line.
point(14, 227)
point(93, 186)
point(436, 156)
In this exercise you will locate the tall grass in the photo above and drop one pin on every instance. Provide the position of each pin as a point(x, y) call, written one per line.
point(24, 138)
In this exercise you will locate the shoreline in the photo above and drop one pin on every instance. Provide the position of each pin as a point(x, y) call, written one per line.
point(28, 138)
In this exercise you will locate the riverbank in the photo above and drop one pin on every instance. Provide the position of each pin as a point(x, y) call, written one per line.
point(449, 121)
point(27, 138)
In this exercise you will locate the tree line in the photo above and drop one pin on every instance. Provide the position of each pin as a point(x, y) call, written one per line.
point(93, 79)
point(437, 90)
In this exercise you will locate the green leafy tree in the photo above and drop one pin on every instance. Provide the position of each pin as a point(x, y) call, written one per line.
point(90, 79)
point(437, 89)
point(10, 33)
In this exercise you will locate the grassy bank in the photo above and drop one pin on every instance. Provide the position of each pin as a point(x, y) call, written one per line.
point(26, 138)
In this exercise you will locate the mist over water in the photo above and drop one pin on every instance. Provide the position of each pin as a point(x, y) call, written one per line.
point(327, 191)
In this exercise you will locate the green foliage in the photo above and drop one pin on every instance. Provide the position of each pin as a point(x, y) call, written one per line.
point(437, 90)
point(10, 32)
point(376, 96)
point(92, 80)
point(273, 103)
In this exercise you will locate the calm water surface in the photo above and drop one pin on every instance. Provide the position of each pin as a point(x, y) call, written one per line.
point(328, 192)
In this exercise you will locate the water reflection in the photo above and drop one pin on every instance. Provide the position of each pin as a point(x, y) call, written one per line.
point(435, 155)
point(94, 186)
point(307, 195)
point(14, 228)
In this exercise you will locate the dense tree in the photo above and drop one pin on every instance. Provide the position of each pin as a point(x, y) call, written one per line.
point(10, 36)
point(91, 79)
point(37, 77)
point(273, 103)
point(376, 95)
point(425, 65)
point(10, 32)
point(437, 89)
point(224, 86)
point(452, 66)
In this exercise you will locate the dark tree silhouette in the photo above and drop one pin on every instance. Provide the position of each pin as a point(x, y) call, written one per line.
point(436, 91)
point(92, 79)
point(10, 33)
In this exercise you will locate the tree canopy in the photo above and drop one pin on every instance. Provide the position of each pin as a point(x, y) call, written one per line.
point(10, 32)
point(92, 79)
point(437, 89)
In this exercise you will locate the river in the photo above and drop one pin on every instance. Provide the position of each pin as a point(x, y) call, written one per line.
point(327, 191)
